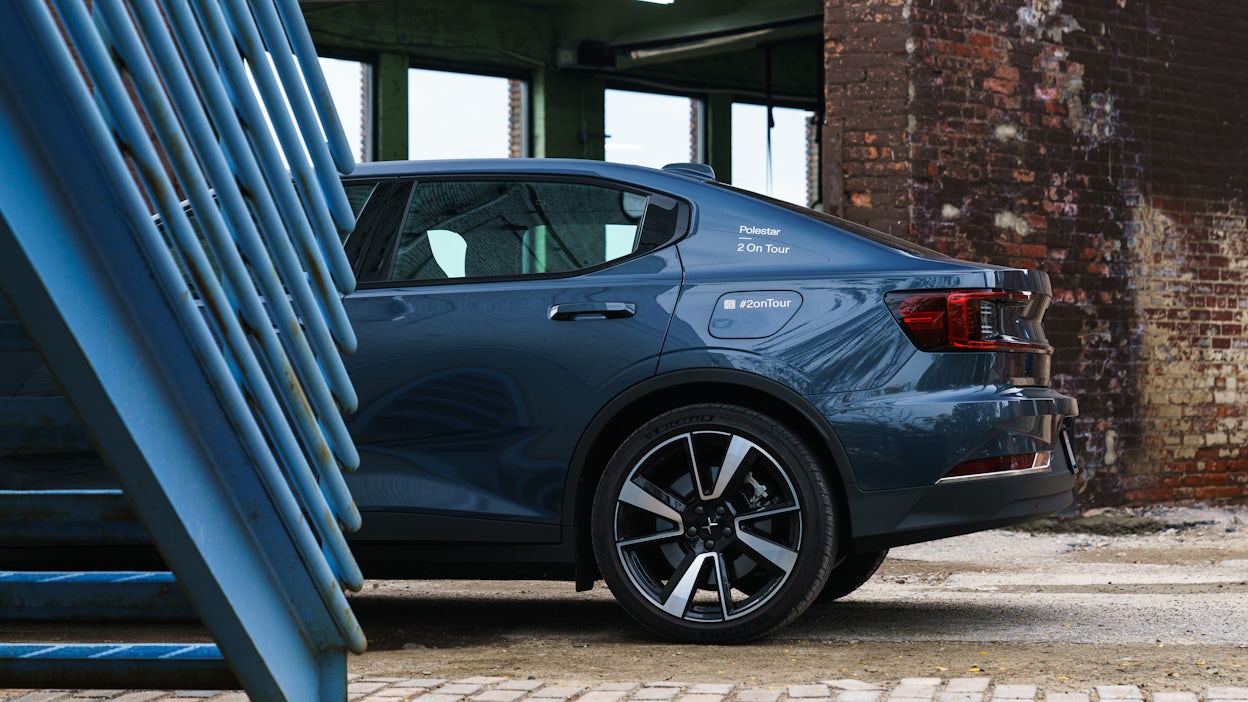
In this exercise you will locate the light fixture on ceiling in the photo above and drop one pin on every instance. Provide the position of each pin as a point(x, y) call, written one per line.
point(660, 2)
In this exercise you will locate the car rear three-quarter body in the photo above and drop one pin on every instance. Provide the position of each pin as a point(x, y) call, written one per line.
point(915, 387)
point(932, 374)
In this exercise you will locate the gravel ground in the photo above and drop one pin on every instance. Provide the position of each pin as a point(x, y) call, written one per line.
point(1152, 598)
point(1156, 596)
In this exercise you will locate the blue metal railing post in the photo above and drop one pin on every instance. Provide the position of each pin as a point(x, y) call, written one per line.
point(203, 363)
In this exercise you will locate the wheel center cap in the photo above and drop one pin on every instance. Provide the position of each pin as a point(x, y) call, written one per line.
point(709, 525)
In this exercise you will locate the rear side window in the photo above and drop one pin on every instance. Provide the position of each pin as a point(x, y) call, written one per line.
point(465, 229)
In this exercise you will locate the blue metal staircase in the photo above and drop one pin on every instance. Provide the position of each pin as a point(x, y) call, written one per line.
point(203, 359)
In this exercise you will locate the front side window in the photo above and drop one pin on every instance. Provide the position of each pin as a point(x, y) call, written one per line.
point(507, 228)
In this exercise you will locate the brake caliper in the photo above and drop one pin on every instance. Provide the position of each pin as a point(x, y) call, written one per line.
point(760, 491)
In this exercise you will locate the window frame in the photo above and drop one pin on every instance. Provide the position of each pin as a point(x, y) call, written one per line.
point(682, 213)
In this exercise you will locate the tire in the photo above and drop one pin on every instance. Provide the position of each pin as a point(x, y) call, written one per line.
point(849, 574)
point(703, 555)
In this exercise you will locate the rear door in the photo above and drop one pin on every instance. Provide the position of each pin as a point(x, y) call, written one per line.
point(494, 321)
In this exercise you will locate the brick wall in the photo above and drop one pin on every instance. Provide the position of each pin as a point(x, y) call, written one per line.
point(1102, 141)
point(866, 121)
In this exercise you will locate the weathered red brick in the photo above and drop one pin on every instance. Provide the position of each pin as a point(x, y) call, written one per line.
point(1111, 145)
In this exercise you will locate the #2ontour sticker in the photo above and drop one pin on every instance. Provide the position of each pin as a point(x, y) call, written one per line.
point(747, 243)
point(753, 315)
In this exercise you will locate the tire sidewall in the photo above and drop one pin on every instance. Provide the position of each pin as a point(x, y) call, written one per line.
point(850, 574)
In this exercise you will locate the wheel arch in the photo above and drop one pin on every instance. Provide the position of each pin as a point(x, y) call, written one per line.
point(627, 411)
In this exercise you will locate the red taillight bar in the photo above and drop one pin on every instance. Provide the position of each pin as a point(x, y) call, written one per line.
point(971, 320)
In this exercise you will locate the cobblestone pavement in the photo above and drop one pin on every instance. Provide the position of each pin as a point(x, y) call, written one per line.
point(493, 689)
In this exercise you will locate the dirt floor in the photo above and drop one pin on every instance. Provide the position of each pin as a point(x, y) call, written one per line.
point(1155, 598)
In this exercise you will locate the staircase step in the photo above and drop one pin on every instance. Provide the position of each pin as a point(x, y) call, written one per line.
point(68, 596)
point(40, 424)
point(41, 517)
point(116, 666)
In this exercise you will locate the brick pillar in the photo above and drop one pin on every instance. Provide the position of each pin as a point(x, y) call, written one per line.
point(517, 119)
point(866, 65)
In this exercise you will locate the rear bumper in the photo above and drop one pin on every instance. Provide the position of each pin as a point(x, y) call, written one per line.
point(882, 519)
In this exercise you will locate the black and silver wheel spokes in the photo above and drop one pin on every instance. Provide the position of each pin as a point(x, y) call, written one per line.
point(708, 526)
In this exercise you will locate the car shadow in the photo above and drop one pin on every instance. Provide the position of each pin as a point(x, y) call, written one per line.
point(393, 621)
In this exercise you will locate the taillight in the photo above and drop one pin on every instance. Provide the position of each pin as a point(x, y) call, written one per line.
point(1000, 466)
point(971, 320)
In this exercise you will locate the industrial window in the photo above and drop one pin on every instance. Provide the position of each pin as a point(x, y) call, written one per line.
point(463, 115)
point(777, 160)
point(649, 129)
point(348, 87)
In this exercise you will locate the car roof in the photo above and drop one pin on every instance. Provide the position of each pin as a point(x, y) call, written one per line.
point(622, 172)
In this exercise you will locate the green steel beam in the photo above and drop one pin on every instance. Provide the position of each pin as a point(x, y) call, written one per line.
point(718, 116)
point(568, 115)
point(391, 113)
point(487, 35)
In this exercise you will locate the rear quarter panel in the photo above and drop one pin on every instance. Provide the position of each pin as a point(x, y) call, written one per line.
point(903, 417)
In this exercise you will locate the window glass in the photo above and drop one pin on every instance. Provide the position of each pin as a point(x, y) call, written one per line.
point(358, 194)
point(347, 81)
point(476, 229)
point(649, 129)
point(779, 169)
point(461, 115)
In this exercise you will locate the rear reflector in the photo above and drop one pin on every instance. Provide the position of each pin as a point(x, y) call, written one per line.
point(971, 320)
point(1000, 466)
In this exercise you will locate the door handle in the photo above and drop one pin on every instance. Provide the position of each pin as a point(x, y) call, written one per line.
point(592, 310)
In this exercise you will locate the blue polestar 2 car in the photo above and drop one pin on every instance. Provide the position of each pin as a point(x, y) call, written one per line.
point(726, 406)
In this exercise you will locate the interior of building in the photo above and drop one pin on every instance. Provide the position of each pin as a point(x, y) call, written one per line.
point(588, 79)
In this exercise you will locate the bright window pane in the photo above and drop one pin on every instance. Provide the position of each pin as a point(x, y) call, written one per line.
point(346, 80)
point(449, 250)
point(647, 129)
point(457, 115)
point(621, 239)
point(788, 152)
